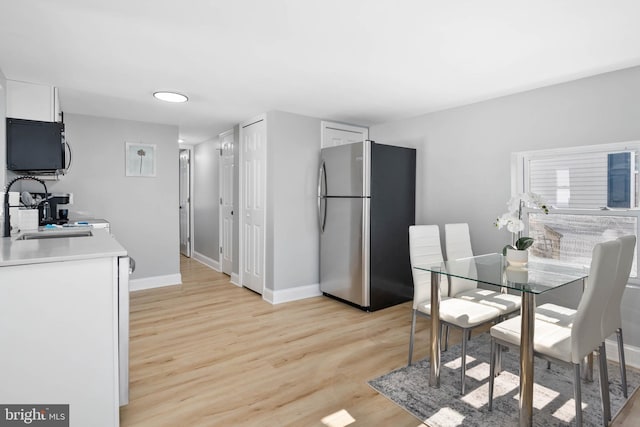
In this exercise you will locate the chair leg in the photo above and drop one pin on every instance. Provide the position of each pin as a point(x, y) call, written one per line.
point(499, 352)
point(492, 370)
point(604, 386)
point(463, 361)
point(577, 394)
point(623, 366)
point(587, 368)
point(413, 330)
point(446, 337)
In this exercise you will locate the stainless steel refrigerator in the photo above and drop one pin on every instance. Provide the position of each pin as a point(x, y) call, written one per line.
point(366, 203)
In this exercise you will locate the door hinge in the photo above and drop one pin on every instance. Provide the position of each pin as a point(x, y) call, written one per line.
point(220, 249)
point(220, 200)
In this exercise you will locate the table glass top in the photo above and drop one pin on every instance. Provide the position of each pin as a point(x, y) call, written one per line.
point(492, 269)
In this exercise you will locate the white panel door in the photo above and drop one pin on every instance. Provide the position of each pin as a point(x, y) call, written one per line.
point(227, 141)
point(253, 178)
point(185, 204)
point(339, 134)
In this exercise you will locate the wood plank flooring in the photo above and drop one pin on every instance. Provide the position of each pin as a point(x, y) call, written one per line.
point(208, 353)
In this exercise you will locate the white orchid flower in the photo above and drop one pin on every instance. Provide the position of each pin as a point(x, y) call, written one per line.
point(512, 219)
point(504, 220)
point(515, 226)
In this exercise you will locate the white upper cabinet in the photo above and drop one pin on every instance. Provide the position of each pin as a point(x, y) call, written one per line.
point(33, 101)
point(339, 134)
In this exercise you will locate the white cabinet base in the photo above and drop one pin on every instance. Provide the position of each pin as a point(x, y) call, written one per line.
point(59, 329)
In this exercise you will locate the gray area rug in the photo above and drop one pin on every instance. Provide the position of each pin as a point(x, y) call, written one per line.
point(444, 407)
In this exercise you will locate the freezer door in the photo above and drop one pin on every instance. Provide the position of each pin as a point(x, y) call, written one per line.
point(344, 250)
point(347, 169)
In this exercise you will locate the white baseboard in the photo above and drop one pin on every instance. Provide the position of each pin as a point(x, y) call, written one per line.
point(209, 262)
point(154, 282)
point(235, 279)
point(631, 353)
point(291, 294)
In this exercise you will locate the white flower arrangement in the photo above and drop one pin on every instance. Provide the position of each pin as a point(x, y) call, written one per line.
point(513, 218)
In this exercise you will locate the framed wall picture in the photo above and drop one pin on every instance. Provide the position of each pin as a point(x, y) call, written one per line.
point(140, 159)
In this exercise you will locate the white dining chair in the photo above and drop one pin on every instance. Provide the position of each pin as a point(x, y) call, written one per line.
point(425, 249)
point(458, 246)
point(612, 315)
point(570, 344)
point(612, 319)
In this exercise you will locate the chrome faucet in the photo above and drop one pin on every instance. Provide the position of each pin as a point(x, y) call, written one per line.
point(7, 215)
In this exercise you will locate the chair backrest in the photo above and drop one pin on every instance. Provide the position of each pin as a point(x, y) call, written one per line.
point(612, 318)
point(424, 248)
point(458, 245)
point(588, 321)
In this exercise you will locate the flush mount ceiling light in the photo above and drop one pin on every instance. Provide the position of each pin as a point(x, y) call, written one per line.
point(170, 96)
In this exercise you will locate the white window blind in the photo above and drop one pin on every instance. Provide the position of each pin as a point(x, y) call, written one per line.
point(571, 181)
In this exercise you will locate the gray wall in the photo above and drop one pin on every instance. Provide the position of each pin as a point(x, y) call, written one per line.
point(464, 153)
point(206, 189)
point(293, 146)
point(143, 212)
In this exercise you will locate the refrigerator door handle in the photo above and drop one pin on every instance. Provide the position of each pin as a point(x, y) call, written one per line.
point(322, 179)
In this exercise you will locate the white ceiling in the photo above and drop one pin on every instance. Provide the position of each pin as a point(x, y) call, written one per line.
point(355, 61)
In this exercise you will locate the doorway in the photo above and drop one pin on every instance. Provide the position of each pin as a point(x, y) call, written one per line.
point(185, 202)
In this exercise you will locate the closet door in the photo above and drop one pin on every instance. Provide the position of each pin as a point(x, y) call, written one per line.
point(253, 186)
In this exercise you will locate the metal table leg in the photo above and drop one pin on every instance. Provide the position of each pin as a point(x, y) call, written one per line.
point(434, 374)
point(526, 358)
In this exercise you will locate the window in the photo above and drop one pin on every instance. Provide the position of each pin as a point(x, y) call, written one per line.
point(593, 194)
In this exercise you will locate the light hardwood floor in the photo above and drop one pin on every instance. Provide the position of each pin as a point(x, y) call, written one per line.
point(208, 353)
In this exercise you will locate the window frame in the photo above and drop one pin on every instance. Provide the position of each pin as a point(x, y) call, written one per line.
point(520, 184)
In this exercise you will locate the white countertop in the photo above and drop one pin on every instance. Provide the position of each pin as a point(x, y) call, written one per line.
point(19, 252)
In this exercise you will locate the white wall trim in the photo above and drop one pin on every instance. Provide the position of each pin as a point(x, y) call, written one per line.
point(209, 262)
point(631, 353)
point(291, 294)
point(235, 279)
point(155, 282)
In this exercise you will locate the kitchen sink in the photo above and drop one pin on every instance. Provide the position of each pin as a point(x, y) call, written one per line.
point(54, 234)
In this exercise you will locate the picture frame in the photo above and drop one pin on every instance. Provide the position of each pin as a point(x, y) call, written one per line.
point(140, 159)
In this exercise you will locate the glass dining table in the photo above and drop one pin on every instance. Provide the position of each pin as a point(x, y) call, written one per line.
point(493, 271)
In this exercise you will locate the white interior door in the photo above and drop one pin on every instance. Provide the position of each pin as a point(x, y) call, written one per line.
point(253, 178)
point(227, 141)
point(185, 204)
point(338, 134)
